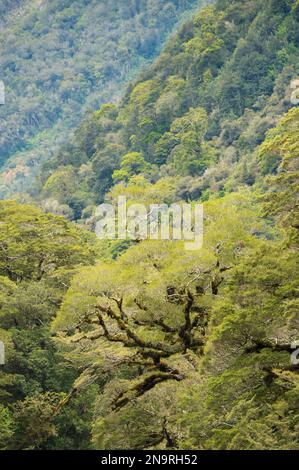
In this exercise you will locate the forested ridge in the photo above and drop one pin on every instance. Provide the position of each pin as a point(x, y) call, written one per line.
point(61, 58)
point(194, 119)
point(143, 344)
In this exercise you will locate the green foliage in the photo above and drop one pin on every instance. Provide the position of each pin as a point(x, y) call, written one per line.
point(39, 253)
point(191, 156)
point(33, 421)
point(147, 318)
point(64, 58)
point(157, 347)
point(282, 146)
point(192, 350)
point(281, 143)
point(131, 164)
point(217, 88)
point(6, 423)
point(34, 244)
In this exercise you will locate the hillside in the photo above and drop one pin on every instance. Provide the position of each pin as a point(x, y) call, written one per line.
point(225, 73)
point(61, 58)
point(142, 344)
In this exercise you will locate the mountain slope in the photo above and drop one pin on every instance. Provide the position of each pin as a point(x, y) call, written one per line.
point(197, 114)
point(60, 58)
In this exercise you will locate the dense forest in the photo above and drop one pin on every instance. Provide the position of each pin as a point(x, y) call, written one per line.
point(61, 58)
point(142, 344)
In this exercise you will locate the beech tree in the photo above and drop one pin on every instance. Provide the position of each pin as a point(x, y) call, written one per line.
point(144, 320)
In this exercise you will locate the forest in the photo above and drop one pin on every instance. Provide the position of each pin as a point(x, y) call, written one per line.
point(59, 59)
point(142, 344)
